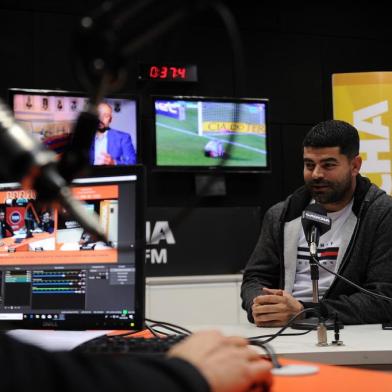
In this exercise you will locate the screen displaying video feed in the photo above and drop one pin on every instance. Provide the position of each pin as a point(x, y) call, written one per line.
point(201, 133)
point(51, 116)
point(32, 234)
point(55, 274)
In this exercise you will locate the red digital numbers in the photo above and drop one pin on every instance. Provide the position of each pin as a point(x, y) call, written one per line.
point(178, 72)
point(164, 73)
point(154, 72)
point(181, 72)
point(167, 73)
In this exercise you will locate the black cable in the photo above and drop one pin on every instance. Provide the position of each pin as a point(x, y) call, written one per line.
point(152, 331)
point(231, 26)
point(252, 340)
point(284, 334)
point(180, 330)
point(173, 331)
point(103, 44)
point(368, 292)
point(291, 321)
point(270, 353)
point(232, 30)
point(159, 332)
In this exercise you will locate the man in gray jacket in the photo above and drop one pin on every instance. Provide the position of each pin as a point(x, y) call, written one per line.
point(277, 283)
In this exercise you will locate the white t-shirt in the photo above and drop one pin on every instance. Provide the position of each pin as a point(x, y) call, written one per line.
point(100, 147)
point(327, 252)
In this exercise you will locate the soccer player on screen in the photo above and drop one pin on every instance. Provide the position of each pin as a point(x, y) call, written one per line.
point(214, 149)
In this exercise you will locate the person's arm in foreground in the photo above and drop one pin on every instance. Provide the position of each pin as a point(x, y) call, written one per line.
point(227, 363)
point(206, 361)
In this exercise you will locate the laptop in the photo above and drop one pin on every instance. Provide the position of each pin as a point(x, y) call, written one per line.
point(53, 274)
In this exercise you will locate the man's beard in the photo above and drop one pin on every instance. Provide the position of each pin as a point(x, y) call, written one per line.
point(102, 128)
point(335, 191)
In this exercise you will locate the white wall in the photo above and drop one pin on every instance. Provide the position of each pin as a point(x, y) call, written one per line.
point(186, 300)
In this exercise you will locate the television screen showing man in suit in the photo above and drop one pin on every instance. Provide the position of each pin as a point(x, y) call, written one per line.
point(111, 146)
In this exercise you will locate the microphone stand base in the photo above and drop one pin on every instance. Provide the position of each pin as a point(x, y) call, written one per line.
point(313, 322)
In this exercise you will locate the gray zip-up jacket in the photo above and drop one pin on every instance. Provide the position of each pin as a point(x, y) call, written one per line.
point(365, 257)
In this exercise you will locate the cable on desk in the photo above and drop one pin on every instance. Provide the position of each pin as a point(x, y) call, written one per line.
point(183, 331)
point(172, 330)
point(279, 333)
point(270, 353)
point(175, 329)
point(160, 332)
point(282, 334)
point(172, 327)
point(156, 334)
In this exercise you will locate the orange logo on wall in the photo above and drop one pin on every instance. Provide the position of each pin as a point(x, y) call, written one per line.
point(363, 100)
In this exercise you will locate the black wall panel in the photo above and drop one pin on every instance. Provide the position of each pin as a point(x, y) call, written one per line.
point(53, 51)
point(17, 49)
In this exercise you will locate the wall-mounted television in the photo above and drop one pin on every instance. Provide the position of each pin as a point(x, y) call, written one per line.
point(50, 115)
point(203, 134)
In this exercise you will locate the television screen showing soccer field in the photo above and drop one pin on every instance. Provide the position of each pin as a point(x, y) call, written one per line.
point(203, 132)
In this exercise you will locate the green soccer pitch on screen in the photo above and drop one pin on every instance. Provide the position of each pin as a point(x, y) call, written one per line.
point(202, 134)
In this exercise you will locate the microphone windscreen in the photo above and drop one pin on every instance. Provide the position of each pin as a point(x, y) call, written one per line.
point(315, 215)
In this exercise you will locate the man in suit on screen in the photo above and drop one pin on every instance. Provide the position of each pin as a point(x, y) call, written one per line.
point(111, 146)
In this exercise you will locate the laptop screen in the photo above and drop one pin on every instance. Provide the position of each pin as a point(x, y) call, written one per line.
point(55, 275)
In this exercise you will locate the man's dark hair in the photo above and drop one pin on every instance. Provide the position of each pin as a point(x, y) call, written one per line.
point(334, 133)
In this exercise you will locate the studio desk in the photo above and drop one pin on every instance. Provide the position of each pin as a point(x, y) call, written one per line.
point(365, 347)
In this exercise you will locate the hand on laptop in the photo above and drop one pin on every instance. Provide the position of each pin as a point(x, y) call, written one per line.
point(226, 362)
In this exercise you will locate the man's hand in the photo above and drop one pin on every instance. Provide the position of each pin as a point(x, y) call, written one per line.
point(274, 308)
point(227, 363)
point(106, 159)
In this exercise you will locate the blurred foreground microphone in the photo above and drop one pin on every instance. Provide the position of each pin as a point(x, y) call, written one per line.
point(24, 159)
point(315, 223)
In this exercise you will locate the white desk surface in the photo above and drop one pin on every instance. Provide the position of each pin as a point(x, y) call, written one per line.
point(363, 344)
point(54, 340)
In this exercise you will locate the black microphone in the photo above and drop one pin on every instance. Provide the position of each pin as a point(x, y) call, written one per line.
point(25, 159)
point(315, 223)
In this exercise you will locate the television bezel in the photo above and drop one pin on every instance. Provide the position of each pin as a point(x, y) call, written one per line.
point(11, 92)
point(204, 169)
point(140, 246)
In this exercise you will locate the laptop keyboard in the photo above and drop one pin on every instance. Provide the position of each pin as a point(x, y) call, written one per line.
point(129, 345)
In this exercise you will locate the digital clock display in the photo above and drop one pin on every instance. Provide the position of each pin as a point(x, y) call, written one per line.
point(168, 72)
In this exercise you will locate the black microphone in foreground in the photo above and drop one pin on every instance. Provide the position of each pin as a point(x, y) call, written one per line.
point(25, 159)
point(315, 223)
